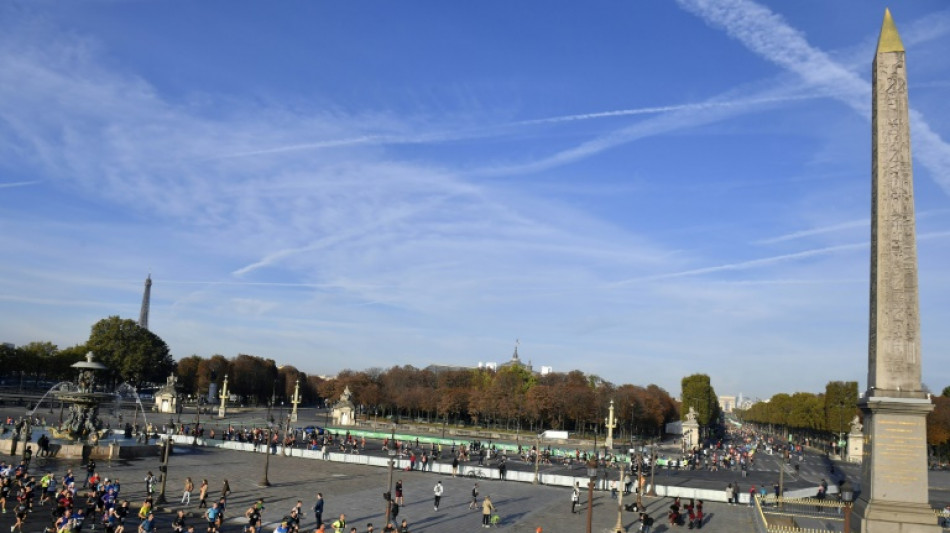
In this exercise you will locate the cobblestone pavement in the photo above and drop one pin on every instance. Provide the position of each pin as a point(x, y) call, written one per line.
point(357, 492)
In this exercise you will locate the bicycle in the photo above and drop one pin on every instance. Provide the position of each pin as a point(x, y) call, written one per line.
point(477, 473)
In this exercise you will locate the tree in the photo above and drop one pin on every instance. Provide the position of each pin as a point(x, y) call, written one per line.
point(132, 353)
point(60, 367)
point(806, 411)
point(699, 394)
point(37, 356)
point(576, 398)
point(187, 372)
point(841, 401)
point(214, 370)
point(938, 425)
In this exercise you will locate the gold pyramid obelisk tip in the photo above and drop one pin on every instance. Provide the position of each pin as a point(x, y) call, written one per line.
point(890, 40)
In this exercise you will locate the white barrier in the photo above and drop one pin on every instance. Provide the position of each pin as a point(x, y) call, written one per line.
point(555, 480)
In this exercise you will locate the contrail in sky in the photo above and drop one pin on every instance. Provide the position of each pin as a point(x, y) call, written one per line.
point(18, 184)
point(666, 109)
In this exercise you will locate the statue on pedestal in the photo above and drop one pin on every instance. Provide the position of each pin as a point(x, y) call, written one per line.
point(856, 425)
point(691, 415)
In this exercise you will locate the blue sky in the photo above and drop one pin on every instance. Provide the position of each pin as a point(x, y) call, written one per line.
point(639, 190)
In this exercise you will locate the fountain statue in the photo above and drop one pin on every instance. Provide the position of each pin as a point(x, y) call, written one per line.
point(82, 422)
point(80, 432)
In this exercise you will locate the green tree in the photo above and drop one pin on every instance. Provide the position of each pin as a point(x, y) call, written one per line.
point(37, 356)
point(132, 353)
point(699, 394)
point(841, 401)
point(61, 365)
point(9, 359)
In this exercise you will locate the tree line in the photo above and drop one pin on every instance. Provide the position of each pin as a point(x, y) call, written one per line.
point(130, 353)
point(825, 413)
point(830, 414)
point(511, 397)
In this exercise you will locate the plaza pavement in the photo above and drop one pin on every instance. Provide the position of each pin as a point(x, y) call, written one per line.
point(357, 490)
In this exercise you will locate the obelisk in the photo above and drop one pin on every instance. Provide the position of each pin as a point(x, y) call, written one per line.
point(893, 497)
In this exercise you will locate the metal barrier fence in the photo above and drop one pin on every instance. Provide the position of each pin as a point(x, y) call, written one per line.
point(800, 515)
point(786, 515)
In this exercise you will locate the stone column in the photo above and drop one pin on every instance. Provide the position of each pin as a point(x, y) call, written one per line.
point(295, 401)
point(894, 484)
point(610, 424)
point(223, 409)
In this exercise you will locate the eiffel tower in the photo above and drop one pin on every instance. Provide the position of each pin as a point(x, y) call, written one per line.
point(143, 314)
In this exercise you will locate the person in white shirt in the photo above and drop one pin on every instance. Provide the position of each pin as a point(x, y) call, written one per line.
point(437, 490)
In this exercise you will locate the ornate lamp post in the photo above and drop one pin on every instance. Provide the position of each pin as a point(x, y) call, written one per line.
point(391, 451)
point(640, 479)
point(223, 410)
point(537, 461)
point(194, 441)
point(610, 423)
point(295, 400)
point(266, 482)
point(591, 478)
point(166, 451)
point(619, 527)
point(652, 471)
point(847, 496)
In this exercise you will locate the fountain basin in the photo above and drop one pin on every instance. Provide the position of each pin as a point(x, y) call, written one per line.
point(113, 446)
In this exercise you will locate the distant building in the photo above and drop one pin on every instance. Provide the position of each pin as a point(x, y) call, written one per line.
point(727, 403)
point(491, 365)
point(516, 361)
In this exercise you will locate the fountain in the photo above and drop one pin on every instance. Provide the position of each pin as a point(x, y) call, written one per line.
point(80, 432)
point(125, 393)
point(82, 423)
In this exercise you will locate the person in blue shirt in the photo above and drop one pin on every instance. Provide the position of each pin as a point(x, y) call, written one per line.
point(212, 515)
point(148, 525)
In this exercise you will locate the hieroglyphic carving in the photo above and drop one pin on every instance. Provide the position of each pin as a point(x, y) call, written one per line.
point(894, 349)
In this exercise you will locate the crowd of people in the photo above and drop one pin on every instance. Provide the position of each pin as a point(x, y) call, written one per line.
point(89, 501)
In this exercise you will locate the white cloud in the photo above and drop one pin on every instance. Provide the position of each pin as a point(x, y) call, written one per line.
point(768, 35)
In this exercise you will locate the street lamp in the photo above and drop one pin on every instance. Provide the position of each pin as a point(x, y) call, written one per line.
point(166, 451)
point(266, 482)
point(537, 460)
point(591, 477)
point(194, 441)
point(847, 496)
point(391, 451)
point(840, 429)
point(640, 479)
point(619, 527)
point(652, 471)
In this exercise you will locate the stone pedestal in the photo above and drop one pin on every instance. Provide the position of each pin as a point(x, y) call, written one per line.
point(166, 399)
point(690, 434)
point(894, 496)
point(212, 393)
point(855, 447)
point(343, 416)
point(344, 411)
